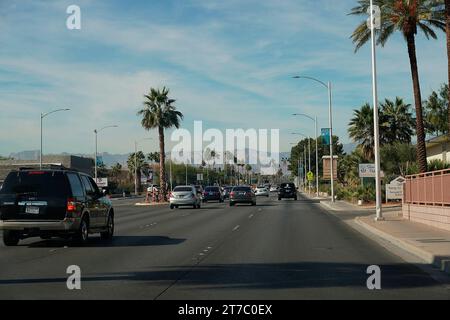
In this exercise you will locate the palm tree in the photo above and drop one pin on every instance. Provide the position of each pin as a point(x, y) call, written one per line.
point(436, 109)
point(361, 130)
point(406, 16)
point(159, 113)
point(136, 163)
point(116, 170)
point(398, 121)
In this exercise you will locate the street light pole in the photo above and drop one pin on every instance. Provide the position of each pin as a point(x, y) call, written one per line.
point(96, 151)
point(330, 115)
point(379, 213)
point(43, 115)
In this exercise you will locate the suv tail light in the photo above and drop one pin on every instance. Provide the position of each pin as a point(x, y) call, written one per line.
point(71, 205)
point(232, 194)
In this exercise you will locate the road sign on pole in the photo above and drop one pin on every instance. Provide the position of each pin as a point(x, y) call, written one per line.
point(326, 139)
point(310, 176)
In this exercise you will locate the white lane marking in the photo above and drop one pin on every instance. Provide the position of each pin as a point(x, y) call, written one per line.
point(235, 228)
point(251, 216)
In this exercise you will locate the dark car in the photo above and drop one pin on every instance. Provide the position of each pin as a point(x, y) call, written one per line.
point(53, 203)
point(287, 191)
point(212, 194)
point(242, 194)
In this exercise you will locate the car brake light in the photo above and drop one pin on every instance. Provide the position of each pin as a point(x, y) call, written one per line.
point(71, 205)
point(36, 172)
point(232, 193)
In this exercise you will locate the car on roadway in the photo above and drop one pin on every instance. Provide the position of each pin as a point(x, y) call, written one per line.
point(287, 191)
point(53, 203)
point(262, 192)
point(184, 196)
point(213, 193)
point(242, 194)
point(273, 189)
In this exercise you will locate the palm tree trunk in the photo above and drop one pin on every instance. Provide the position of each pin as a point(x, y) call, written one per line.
point(421, 148)
point(162, 160)
point(447, 17)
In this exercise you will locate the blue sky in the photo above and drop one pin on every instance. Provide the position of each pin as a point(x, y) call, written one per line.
point(228, 63)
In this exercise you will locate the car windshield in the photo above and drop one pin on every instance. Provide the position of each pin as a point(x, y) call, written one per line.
point(212, 189)
point(182, 189)
point(36, 183)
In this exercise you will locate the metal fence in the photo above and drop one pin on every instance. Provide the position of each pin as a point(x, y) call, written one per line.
point(431, 188)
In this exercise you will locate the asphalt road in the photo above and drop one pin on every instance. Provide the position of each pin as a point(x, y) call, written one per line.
point(276, 250)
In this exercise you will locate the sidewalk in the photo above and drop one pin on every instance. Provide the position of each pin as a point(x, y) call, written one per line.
point(430, 244)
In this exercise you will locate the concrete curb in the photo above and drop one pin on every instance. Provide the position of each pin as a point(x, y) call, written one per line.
point(430, 258)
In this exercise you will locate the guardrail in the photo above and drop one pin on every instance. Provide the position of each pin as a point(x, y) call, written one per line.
point(430, 188)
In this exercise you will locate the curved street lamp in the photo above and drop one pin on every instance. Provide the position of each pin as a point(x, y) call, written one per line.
point(330, 115)
point(317, 148)
point(43, 115)
point(95, 159)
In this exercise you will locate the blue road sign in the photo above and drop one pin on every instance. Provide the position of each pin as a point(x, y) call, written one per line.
point(326, 136)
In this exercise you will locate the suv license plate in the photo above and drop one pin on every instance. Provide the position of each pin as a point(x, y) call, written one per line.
point(32, 210)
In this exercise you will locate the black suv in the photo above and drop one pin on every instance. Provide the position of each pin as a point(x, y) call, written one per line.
point(287, 191)
point(53, 203)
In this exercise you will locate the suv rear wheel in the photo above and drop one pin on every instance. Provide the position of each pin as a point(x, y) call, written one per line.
point(82, 235)
point(11, 238)
point(108, 234)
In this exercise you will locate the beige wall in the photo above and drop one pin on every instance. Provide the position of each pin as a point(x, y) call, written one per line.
point(439, 152)
point(435, 216)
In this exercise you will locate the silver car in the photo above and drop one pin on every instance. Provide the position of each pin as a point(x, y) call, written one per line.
point(185, 196)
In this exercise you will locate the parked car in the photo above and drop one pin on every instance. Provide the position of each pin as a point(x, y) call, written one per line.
point(226, 192)
point(262, 192)
point(53, 203)
point(287, 191)
point(212, 194)
point(242, 194)
point(273, 189)
point(184, 196)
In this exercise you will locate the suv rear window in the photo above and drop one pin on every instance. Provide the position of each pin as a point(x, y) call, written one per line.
point(36, 183)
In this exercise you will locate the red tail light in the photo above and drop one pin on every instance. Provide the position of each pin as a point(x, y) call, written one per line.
point(71, 205)
point(232, 194)
point(35, 172)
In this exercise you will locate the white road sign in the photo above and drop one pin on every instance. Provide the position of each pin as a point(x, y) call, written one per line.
point(367, 170)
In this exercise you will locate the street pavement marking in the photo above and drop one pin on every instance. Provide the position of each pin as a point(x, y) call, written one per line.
point(250, 216)
point(235, 228)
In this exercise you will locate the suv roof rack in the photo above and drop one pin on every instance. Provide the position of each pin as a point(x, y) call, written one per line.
point(47, 167)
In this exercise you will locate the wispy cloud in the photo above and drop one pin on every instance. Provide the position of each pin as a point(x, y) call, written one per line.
point(228, 63)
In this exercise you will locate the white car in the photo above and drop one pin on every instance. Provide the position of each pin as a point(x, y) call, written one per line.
point(273, 189)
point(262, 192)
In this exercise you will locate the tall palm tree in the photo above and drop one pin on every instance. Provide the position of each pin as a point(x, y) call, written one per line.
point(159, 113)
point(398, 121)
point(407, 17)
